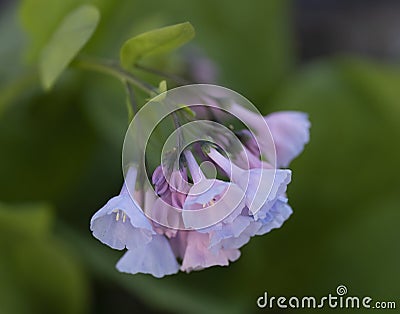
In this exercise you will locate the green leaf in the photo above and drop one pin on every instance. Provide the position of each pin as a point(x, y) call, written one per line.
point(40, 25)
point(68, 39)
point(154, 42)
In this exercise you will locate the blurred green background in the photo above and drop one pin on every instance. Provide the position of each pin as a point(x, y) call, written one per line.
point(60, 154)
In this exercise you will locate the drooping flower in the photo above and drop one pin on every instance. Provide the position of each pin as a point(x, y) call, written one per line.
point(210, 200)
point(289, 132)
point(121, 224)
point(275, 217)
point(155, 258)
point(238, 235)
point(262, 186)
point(197, 254)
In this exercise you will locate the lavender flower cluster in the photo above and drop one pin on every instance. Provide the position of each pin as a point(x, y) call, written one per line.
point(188, 221)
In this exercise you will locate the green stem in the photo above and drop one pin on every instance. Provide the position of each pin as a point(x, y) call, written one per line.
point(172, 77)
point(110, 68)
point(131, 102)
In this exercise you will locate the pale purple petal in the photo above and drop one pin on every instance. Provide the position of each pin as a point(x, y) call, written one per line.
point(166, 218)
point(220, 201)
point(155, 258)
point(278, 214)
point(290, 131)
point(230, 230)
point(121, 223)
point(179, 243)
point(243, 238)
point(264, 186)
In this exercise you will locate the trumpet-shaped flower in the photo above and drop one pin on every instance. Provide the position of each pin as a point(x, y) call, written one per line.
point(289, 131)
point(121, 223)
point(237, 236)
point(262, 186)
point(210, 200)
point(197, 254)
point(155, 258)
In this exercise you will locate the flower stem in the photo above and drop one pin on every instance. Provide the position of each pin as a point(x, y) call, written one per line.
point(131, 102)
point(169, 76)
point(113, 69)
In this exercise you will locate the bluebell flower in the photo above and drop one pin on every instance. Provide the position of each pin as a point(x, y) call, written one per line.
point(197, 254)
point(262, 186)
point(210, 200)
point(122, 224)
point(204, 222)
point(155, 258)
point(289, 132)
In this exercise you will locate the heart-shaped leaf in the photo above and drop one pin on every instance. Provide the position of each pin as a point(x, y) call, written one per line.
point(156, 41)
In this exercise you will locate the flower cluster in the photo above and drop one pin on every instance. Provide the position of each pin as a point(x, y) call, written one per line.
point(191, 222)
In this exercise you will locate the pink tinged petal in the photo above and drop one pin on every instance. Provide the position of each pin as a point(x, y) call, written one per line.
point(278, 214)
point(155, 258)
point(178, 181)
point(155, 210)
point(290, 131)
point(178, 199)
point(198, 256)
point(166, 218)
point(179, 243)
